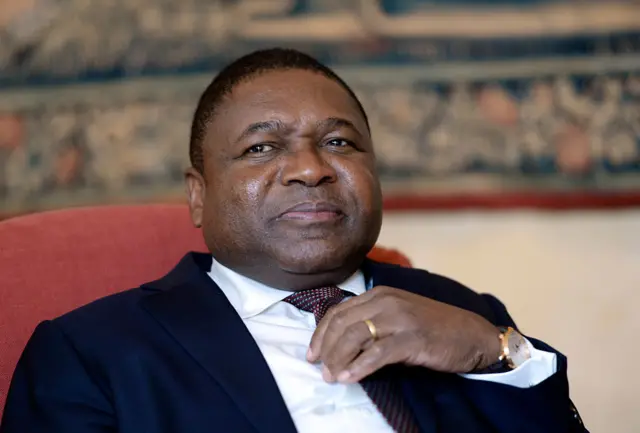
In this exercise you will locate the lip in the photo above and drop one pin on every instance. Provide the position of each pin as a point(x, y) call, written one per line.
point(312, 211)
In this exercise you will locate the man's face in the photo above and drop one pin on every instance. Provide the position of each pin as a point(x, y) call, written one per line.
point(289, 177)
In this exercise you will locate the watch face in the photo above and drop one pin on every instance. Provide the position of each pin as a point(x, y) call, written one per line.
point(518, 349)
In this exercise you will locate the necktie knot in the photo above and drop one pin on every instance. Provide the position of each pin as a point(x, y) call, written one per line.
point(317, 301)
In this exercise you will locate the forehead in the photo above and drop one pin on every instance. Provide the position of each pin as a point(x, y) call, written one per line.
point(292, 96)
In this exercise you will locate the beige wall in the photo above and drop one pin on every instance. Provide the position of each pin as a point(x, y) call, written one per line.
point(571, 279)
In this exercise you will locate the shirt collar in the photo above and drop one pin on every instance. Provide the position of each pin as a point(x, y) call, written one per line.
point(250, 298)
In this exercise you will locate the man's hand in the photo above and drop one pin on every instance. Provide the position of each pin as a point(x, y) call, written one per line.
point(411, 329)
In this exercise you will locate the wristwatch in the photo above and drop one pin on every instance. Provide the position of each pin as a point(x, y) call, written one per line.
point(514, 348)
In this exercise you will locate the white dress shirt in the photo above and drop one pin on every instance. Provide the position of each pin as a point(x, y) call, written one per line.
point(283, 333)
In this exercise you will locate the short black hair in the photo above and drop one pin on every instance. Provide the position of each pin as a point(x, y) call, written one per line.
point(240, 70)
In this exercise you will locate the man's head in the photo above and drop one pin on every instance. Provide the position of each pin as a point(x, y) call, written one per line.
point(283, 179)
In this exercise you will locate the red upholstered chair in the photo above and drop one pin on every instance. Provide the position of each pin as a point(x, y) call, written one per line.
point(55, 261)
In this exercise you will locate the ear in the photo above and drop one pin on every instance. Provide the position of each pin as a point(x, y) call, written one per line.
point(195, 195)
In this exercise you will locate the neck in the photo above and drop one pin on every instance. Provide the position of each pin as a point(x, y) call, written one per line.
point(274, 276)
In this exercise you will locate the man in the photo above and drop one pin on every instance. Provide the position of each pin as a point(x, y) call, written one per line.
point(286, 326)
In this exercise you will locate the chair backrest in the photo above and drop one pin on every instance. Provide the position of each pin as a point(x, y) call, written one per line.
point(53, 262)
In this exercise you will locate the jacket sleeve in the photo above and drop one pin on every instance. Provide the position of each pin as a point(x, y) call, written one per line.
point(52, 392)
point(545, 407)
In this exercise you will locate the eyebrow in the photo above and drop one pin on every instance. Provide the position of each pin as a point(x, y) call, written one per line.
point(271, 126)
point(336, 123)
point(266, 126)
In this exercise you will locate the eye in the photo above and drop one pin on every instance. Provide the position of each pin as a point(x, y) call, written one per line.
point(260, 148)
point(339, 142)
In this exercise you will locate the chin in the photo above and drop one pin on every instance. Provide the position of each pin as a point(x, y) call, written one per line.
point(314, 259)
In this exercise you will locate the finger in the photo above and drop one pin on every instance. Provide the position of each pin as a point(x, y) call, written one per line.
point(342, 316)
point(333, 327)
point(318, 336)
point(350, 343)
point(328, 377)
point(385, 351)
point(377, 302)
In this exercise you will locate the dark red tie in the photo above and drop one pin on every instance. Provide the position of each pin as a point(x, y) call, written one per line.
point(385, 394)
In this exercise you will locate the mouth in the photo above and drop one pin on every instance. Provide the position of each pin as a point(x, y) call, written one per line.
point(312, 212)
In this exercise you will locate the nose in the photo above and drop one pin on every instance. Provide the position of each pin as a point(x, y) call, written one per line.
point(307, 167)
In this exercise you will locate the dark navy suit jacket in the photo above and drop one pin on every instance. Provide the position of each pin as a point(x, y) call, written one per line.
point(173, 356)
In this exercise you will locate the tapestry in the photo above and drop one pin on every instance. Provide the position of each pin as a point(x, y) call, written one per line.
point(470, 102)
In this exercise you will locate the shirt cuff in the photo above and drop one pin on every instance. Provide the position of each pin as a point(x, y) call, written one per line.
point(541, 366)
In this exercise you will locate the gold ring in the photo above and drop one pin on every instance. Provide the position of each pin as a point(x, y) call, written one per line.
point(372, 329)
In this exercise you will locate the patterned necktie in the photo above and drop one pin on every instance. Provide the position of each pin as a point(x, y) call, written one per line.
point(385, 394)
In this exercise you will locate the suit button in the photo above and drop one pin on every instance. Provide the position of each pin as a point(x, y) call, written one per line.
point(576, 415)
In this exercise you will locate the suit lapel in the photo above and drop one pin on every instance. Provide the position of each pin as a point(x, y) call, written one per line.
point(438, 403)
point(191, 307)
point(436, 399)
point(417, 387)
point(382, 274)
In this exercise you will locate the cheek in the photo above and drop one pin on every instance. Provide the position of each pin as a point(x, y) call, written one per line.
point(238, 194)
point(364, 185)
point(253, 190)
